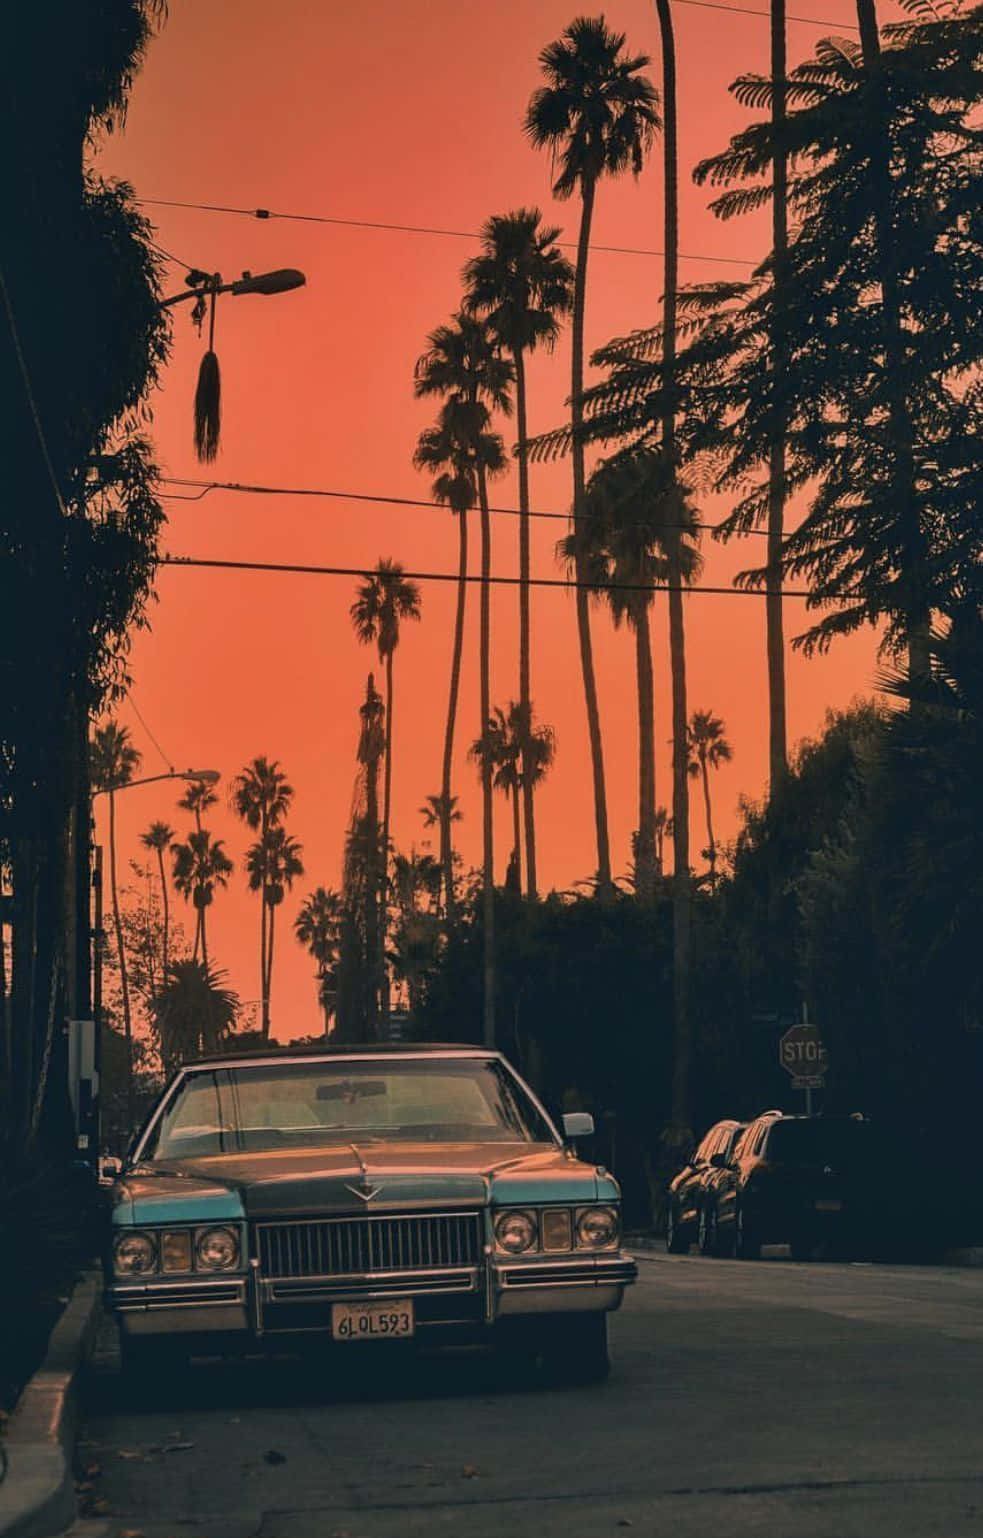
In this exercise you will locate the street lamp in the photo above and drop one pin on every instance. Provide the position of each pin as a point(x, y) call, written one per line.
point(207, 777)
point(203, 289)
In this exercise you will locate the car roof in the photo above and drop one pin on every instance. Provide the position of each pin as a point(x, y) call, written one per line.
point(356, 1049)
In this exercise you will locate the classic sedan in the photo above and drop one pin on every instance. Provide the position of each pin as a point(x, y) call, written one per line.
point(363, 1194)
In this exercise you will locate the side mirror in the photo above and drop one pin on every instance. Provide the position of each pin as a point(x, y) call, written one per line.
point(577, 1124)
point(110, 1168)
point(718, 1161)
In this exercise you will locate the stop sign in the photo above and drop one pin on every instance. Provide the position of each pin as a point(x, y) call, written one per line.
point(801, 1052)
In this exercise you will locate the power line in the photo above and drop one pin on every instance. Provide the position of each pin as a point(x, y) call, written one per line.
point(295, 569)
point(31, 399)
point(420, 229)
point(136, 711)
point(365, 496)
point(743, 10)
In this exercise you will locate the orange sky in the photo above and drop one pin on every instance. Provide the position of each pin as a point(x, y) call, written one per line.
point(403, 112)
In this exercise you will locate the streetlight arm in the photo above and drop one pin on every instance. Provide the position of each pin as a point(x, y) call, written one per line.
point(208, 776)
point(280, 281)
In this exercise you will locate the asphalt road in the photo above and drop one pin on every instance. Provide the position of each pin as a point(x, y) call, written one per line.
point(769, 1398)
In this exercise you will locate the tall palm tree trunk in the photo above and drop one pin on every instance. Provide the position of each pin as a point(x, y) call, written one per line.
point(124, 982)
point(677, 633)
point(645, 852)
point(387, 791)
point(583, 598)
point(269, 955)
point(204, 938)
point(446, 850)
point(774, 619)
point(525, 643)
point(517, 835)
point(487, 826)
point(917, 606)
point(166, 908)
point(711, 841)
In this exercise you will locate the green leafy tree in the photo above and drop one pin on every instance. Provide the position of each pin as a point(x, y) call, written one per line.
point(463, 364)
point(200, 865)
point(708, 749)
point(261, 796)
point(597, 115)
point(194, 1013)
point(113, 761)
point(523, 284)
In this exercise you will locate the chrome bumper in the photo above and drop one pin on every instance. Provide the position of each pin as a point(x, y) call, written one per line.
point(250, 1305)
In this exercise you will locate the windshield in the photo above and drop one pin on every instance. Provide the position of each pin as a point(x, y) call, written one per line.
point(820, 1142)
point(296, 1105)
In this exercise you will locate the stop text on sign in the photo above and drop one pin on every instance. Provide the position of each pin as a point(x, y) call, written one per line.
point(801, 1051)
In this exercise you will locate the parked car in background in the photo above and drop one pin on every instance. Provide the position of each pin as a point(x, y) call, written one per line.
point(801, 1181)
point(690, 1199)
point(361, 1194)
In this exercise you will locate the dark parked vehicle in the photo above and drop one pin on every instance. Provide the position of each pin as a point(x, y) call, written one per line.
point(690, 1191)
point(797, 1180)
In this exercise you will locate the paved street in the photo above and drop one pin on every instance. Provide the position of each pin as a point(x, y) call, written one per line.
point(772, 1398)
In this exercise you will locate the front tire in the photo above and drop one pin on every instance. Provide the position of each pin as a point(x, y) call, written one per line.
point(709, 1239)
point(747, 1245)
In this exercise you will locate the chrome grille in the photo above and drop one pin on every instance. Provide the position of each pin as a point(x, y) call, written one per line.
point(357, 1246)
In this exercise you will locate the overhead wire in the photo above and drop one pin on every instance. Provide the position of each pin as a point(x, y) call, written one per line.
point(394, 501)
point(168, 763)
point(744, 10)
point(568, 584)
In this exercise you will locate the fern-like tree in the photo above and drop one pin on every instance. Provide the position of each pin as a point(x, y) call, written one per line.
point(273, 864)
point(113, 761)
point(708, 749)
point(159, 837)
point(463, 365)
point(200, 865)
point(194, 1012)
point(512, 751)
point(261, 795)
point(597, 114)
point(318, 928)
point(523, 284)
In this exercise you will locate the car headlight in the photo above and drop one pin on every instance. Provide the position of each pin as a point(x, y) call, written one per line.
point(515, 1232)
point(598, 1228)
point(134, 1254)
point(217, 1249)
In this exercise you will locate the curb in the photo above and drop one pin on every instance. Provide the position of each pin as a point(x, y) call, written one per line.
point(37, 1497)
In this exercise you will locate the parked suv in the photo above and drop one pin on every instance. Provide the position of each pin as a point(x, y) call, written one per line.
point(796, 1180)
point(689, 1192)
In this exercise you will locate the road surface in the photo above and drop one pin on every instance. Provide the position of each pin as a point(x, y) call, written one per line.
point(795, 1401)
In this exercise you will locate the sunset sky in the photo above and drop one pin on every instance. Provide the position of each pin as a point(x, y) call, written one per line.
point(403, 113)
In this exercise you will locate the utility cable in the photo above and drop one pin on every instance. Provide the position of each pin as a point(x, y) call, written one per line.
point(365, 496)
point(136, 711)
point(420, 229)
point(296, 569)
point(29, 393)
point(743, 10)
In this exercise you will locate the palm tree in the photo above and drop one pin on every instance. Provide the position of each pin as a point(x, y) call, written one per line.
point(509, 748)
point(200, 865)
point(663, 830)
point(442, 811)
point(384, 601)
point(318, 928)
point(634, 510)
point(463, 364)
point(198, 797)
point(447, 451)
point(273, 863)
point(159, 837)
point(113, 761)
point(523, 284)
point(775, 639)
point(708, 749)
point(193, 1013)
point(261, 796)
point(597, 115)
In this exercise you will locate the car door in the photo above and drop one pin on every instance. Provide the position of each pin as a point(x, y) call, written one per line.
point(688, 1187)
point(729, 1177)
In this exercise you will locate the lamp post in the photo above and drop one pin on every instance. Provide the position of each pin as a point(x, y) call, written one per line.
point(202, 290)
point(85, 1084)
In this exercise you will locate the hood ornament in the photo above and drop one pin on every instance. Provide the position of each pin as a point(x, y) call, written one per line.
point(365, 1192)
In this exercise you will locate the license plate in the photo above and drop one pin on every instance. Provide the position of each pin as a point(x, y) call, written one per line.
point(830, 1206)
point(372, 1321)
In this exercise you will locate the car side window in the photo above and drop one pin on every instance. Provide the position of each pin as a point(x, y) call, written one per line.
point(741, 1144)
point(762, 1133)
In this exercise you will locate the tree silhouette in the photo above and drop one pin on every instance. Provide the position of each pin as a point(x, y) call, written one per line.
point(200, 865)
point(708, 748)
point(261, 796)
point(273, 864)
point(193, 1012)
point(159, 837)
point(318, 928)
point(113, 761)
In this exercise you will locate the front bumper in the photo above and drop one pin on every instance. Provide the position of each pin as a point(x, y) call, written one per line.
point(450, 1301)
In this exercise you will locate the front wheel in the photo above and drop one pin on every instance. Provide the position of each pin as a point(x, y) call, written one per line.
point(709, 1238)
point(676, 1240)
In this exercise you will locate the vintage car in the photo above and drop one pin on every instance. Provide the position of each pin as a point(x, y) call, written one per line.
point(362, 1194)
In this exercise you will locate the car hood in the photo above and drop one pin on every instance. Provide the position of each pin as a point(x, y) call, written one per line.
point(358, 1177)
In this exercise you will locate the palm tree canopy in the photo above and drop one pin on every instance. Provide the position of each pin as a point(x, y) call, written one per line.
point(433, 810)
point(706, 743)
point(521, 281)
point(464, 360)
point(318, 924)
point(200, 865)
point(636, 514)
point(198, 797)
point(193, 1012)
point(260, 794)
point(273, 863)
point(503, 743)
point(598, 113)
point(113, 760)
point(384, 600)
point(159, 836)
